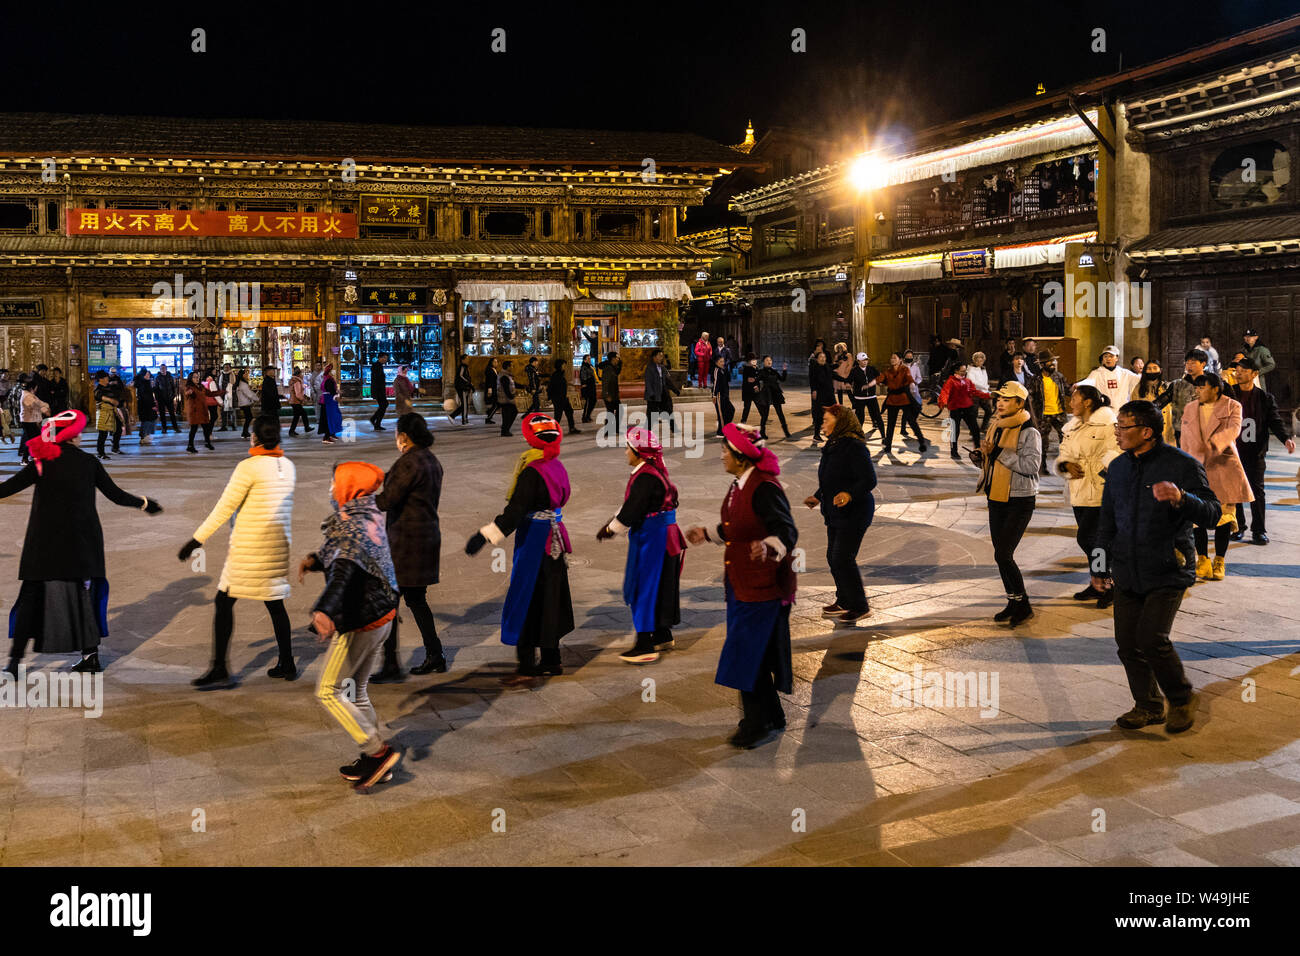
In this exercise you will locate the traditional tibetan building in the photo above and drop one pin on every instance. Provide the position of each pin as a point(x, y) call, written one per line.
point(129, 242)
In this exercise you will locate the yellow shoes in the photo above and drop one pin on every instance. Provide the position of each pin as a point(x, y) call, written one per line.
point(1218, 571)
point(1203, 567)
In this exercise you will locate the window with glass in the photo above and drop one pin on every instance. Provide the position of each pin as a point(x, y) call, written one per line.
point(506, 328)
point(242, 348)
point(1256, 174)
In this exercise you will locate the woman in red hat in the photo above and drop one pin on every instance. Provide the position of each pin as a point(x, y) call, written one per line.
point(759, 536)
point(538, 609)
point(655, 548)
point(62, 605)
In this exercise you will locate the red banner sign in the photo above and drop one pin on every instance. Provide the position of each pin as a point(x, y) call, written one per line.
point(188, 222)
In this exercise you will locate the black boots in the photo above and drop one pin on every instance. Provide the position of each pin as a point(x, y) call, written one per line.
point(1017, 611)
point(433, 664)
point(216, 676)
point(88, 664)
point(643, 651)
point(285, 670)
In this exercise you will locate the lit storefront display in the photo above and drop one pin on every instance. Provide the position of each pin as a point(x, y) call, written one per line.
point(633, 329)
point(128, 349)
point(413, 340)
point(506, 328)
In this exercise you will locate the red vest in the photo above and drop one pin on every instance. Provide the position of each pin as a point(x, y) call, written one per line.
point(752, 580)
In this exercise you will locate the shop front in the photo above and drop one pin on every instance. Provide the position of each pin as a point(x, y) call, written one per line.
point(509, 321)
point(633, 329)
point(413, 339)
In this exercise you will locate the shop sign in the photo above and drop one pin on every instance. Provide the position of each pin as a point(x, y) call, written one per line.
point(702, 276)
point(604, 278)
point(280, 296)
point(393, 298)
point(102, 350)
point(189, 222)
point(841, 276)
point(394, 210)
point(331, 327)
point(164, 337)
point(967, 264)
point(22, 309)
point(966, 327)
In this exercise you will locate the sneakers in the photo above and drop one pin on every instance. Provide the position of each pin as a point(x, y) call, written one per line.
point(1182, 716)
point(1218, 570)
point(285, 670)
point(636, 655)
point(373, 769)
point(1203, 567)
point(831, 610)
point(1137, 718)
point(217, 675)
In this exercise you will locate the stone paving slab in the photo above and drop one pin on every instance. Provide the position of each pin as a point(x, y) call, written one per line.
point(585, 769)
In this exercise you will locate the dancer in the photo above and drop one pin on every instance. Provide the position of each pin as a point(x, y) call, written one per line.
point(331, 420)
point(1088, 446)
point(823, 391)
point(297, 396)
point(354, 613)
point(62, 605)
point(959, 395)
point(587, 386)
point(759, 536)
point(655, 548)
point(538, 609)
point(146, 405)
point(196, 411)
point(1259, 417)
point(1210, 429)
point(490, 391)
point(403, 392)
point(464, 390)
point(845, 480)
point(412, 489)
point(748, 384)
point(862, 392)
point(722, 393)
point(1009, 460)
point(507, 393)
point(769, 396)
point(260, 491)
point(379, 391)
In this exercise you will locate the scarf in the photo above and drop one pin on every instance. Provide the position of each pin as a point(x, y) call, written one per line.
point(526, 459)
point(995, 479)
point(48, 443)
point(277, 451)
point(355, 532)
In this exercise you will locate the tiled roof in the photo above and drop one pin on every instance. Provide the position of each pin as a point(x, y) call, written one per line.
point(125, 245)
point(1234, 231)
point(51, 134)
point(820, 259)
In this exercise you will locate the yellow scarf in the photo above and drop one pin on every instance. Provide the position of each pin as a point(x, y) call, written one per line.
point(1006, 435)
point(526, 459)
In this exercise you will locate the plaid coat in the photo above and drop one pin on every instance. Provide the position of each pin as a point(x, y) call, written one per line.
point(412, 488)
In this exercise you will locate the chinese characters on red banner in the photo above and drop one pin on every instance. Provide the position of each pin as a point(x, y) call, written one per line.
point(183, 222)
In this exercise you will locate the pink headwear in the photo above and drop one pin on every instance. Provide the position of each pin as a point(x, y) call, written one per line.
point(749, 444)
point(54, 432)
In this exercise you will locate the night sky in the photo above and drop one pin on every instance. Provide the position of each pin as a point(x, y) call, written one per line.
point(705, 68)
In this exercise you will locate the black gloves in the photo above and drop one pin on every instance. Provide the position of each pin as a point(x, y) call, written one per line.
point(475, 544)
point(152, 507)
point(188, 548)
point(604, 534)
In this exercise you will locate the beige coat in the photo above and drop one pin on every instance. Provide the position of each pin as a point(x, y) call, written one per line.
point(260, 495)
point(1092, 446)
point(1217, 450)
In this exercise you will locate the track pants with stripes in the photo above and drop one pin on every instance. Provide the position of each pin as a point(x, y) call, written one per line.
point(342, 687)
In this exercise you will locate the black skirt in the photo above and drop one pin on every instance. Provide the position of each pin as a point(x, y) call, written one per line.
point(58, 617)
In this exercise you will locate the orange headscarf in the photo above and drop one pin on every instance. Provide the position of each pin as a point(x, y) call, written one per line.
point(352, 479)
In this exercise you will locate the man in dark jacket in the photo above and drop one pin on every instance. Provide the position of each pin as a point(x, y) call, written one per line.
point(379, 392)
point(534, 385)
point(1154, 494)
point(1259, 416)
point(609, 372)
point(748, 382)
point(164, 390)
point(270, 393)
point(656, 387)
point(557, 390)
point(507, 393)
point(1257, 350)
point(1049, 401)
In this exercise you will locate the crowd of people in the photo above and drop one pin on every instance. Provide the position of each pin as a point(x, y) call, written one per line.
point(1178, 459)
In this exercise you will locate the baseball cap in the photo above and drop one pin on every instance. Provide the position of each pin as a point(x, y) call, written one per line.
point(862, 356)
point(1247, 363)
point(1111, 350)
point(1013, 390)
point(1249, 332)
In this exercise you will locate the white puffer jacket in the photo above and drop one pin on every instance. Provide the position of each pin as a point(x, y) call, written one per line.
point(1092, 446)
point(257, 565)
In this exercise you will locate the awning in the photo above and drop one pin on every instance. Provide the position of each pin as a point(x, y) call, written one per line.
point(1037, 253)
point(513, 291)
point(639, 290)
point(906, 270)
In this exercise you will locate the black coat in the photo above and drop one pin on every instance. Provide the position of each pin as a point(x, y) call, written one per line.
point(821, 384)
point(410, 497)
point(846, 466)
point(748, 382)
point(1269, 420)
point(146, 408)
point(490, 385)
point(1147, 543)
point(609, 373)
point(557, 388)
point(352, 598)
point(270, 396)
point(769, 383)
point(58, 396)
point(378, 381)
point(64, 539)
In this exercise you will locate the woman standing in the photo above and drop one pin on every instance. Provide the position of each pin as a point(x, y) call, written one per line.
point(845, 479)
point(769, 395)
point(1009, 459)
point(32, 411)
point(703, 359)
point(331, 420)
point(1211, 425)
point(841, 367)
point(297, 398)
point(260, 497)
point(217, 404)
point(655, 548)
point(245, 397)
point(464, 389)
point(403, 392)
point(898, 387)
point(195, 397)
point(587, 386)
point(722, 393)
point(1088, 445)
point(490, 402)
point(1150, 387)
point(146, 406)
point(959, 395)
point(410, 497)
point(62, 605)
point(822, 385)
point(979, 377)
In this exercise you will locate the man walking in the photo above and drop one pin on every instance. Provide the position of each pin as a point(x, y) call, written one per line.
point(534, 385)
point(748, 383)
point(557, 390)
point(506, 392)
point(656, 390)
point(1049, 396)
point(1257, 350)
point(379, 391)
point(1154, 494)
point(164, 390)
point(610, 370)
point(1259, 416)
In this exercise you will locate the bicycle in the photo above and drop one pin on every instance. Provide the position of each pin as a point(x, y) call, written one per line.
point(929, 401)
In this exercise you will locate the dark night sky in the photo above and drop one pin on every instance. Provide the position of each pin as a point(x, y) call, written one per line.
point(706, 68)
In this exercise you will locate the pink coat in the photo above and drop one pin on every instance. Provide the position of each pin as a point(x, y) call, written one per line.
point(1217, 451)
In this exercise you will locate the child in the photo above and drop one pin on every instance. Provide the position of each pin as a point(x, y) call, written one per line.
point(357, 609)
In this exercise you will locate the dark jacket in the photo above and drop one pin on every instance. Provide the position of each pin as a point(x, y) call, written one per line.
point(1006, 366)
point(748, 381)
point(352, 598)
point(557, 387)
point(846, 466)
point(506, 388)
point(490, 379)
point(821, 384)
point(587, 379)
point(534, 378)
point(270, 396)
point(1035, 387)
point(410, 497)
point(146, 407)
point(64, 540)
point(164, 386)
point(378, 381)
point(463, 381)
point(1267, 419)
point(769, 385)
point(58, 396)
point(656, 382)
point(609, 372)
point(1147, 544)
